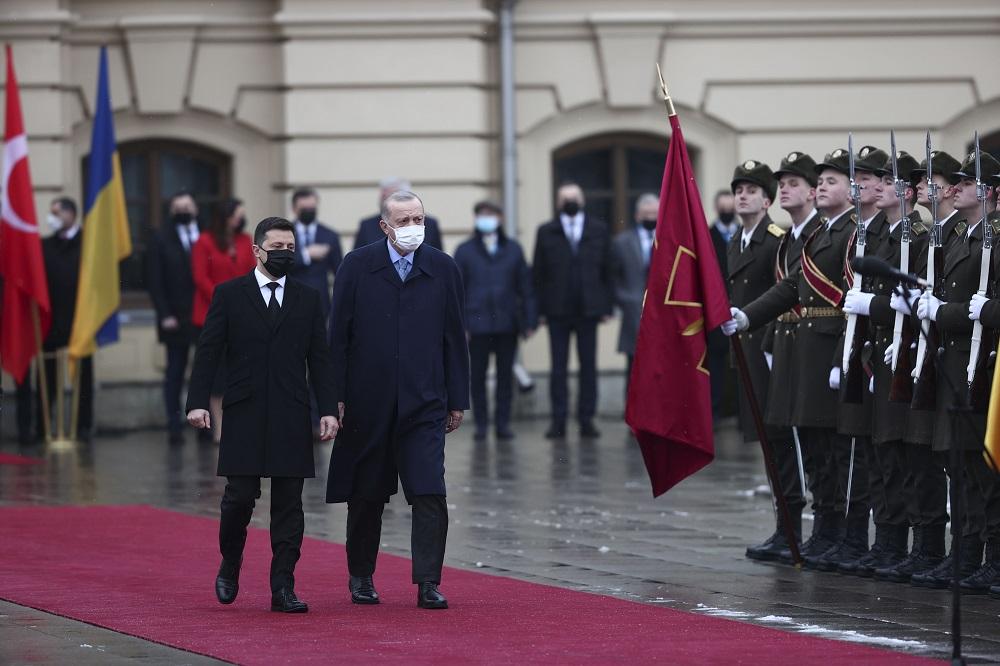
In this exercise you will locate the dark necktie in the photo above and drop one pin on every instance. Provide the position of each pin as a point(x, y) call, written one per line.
point(273, 307)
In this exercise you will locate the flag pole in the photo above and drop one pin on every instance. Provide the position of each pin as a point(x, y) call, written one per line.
point(671, 112)
point(43, 383)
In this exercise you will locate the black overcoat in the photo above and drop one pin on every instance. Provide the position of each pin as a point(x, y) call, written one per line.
point(559, 297)
point(171, 285)
point(402, 362)
point(266, 426)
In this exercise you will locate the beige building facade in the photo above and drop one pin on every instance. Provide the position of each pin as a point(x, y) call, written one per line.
point(254, 98)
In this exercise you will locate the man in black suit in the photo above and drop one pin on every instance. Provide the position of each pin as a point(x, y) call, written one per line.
point(171, 286)
point(722, 229)
point(402, 374)
point(270, 331)
point(318, 252)
point(573, 282)
point(370, 229)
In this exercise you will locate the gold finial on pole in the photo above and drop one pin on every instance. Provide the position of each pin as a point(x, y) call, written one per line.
point(666, 96)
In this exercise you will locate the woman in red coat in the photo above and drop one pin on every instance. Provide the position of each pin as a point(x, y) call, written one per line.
point(221, 254)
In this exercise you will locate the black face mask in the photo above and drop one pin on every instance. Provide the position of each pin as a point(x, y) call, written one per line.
point(241, 225)
point(279, 262)
point(727, 218)
point(571, 208)
point(182, 218)
point(307, 215)
point(649, 224)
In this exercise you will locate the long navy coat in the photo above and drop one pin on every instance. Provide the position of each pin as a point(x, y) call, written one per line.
point(401, 363)
point(499, 295)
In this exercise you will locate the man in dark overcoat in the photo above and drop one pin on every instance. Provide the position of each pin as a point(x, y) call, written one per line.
point(402, 373)
point(270, 331)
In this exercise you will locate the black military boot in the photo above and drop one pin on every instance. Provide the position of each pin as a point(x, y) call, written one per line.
point(829, 538)
point(770, 550)
point(852, 548)
point(987, 575)
point(916, 562)
point(785, 556)
point(940, 577)
point(890, 551)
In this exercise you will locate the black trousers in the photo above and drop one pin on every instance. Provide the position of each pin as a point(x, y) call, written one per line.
point(503, 347)
point(428, 534)
point(821, 472)
point(287, 523)
point(718, 368)
point(987, 482)
point(860, 500)
point(974, 521)
point(173, 384)
point(926, 486)
point(887, 472)
point(585, 330)
point(788, 472)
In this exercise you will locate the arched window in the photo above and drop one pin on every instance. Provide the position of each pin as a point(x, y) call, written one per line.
point(613, 170)
point(153, 170)
point(988, 144)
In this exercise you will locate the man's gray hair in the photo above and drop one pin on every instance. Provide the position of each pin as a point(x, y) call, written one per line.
point(394, 183)
point(400, 195)
point(645, 198)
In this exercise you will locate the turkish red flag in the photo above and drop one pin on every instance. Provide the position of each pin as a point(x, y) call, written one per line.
point(669, 398)
point(21, 266)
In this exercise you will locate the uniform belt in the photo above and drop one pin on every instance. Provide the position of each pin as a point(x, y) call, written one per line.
point(789, 317)
point(812, 313)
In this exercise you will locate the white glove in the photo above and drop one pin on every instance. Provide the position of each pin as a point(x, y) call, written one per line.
point(769, 357)
point(887, 357)
point(834, 378)
point(902, 304)
point(871, 384)
point(976, 306)
point(739, 322)
point(927, 306)
point(858, 303)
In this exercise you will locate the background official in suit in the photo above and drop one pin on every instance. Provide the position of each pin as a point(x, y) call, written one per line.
point(170, 281)
point(573, 282)
point(318, 252)
point(402, 374)
point(499, 306)
point(631, 252)
point(722, 230)
point(370, 228)
point(270, 331)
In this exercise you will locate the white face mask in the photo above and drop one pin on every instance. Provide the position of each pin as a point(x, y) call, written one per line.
point(487, 224)
point(410, 237)
point(55, 222)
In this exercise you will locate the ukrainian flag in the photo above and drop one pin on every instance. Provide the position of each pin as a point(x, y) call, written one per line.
point(992, 443)
point(106, 239)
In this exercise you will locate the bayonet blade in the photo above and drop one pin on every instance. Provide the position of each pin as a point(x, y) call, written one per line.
point(892, 143)
point(979, 175)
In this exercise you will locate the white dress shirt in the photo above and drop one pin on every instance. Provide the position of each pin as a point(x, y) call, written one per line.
point(189, 234)
point(645, 242)
point(265, 291)
point(305, 234)
point(797, 229)
point(572, 227)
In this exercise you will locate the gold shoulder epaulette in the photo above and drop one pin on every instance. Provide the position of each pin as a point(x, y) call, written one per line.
point(917, 227)
point(995, 223)
point(775, 230)
point(960, 227)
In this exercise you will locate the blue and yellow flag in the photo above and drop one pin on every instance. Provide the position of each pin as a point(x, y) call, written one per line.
point(106, 239)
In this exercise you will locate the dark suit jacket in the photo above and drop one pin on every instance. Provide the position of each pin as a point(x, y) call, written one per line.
point(266, 429)
point(62, 270)
point(170, 282)
point(402, 362)
point(499, 296)
point(317, 274)
point(369, 232)
point(553, 265)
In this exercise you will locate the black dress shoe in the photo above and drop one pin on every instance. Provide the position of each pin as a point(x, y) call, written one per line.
point(480, 435)
point(556, 431)
point(504, 433)
point(227, 583)
point(362, 590)
point(588, 430)
point(285, 601)
point(428, 596)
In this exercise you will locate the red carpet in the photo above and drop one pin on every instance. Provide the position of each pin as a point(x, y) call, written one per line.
point(149, 573)
point(13, 459)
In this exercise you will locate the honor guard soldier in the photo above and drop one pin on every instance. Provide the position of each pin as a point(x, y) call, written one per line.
point(751, 255)
point(818, 288)
point(948, 306)
point(925, 481)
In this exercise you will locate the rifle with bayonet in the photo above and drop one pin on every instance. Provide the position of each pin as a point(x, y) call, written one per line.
point(855, 380)
point(925, 373)
point(977, 371)
point(901, 389)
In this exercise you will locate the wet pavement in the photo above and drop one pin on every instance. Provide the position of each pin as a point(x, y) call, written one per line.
point(575, 513)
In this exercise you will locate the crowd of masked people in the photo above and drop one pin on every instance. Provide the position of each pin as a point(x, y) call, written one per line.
point(579, 273)
point(873, 434)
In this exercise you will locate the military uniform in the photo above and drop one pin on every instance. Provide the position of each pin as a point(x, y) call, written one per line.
point(751, 264)
point(819, 290)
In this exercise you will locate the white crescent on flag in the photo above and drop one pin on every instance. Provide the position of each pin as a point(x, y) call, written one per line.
point(14, 151)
